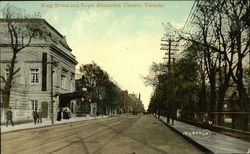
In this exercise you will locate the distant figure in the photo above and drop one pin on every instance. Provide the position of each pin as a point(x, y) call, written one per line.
point(65, 114)
point(9, 117)
point(35, 116)
point(69, 114)
point(93, 109)
point(59, 115)
point(40, 116)
point(205, 118)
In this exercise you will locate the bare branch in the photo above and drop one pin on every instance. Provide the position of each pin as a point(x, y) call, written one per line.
point(3, 78)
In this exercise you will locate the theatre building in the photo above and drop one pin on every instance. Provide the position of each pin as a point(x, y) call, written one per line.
point(32, 88)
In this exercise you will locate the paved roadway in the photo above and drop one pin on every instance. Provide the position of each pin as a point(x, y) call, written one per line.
point(126, 134)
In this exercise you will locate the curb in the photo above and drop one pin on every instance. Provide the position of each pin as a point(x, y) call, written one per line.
point(199, 146)
point(22, 129)
point(244, 135)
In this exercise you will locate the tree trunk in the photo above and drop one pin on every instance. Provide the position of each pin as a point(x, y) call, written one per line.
point(212, 97)
point(243, 107)
point(203, 97)
point(222, 93)
point(6, 97)
point(220, 117)
point(8, 83)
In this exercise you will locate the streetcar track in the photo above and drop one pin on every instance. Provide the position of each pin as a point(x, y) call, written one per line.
point(64, 137)
point(52, 135)
point(94, 134)
point(56, 130)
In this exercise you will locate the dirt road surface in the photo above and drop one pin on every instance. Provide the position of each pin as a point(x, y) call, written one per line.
point(125, 134)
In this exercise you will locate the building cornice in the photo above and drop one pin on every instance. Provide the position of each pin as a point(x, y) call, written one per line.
point(41, 21)
point(51, 47)
point(61, 53)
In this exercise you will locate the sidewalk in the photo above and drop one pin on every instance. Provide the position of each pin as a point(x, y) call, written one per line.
point(46, 122)
point(215, 142)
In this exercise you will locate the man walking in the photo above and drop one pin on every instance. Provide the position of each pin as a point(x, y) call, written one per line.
point(35, 116)
point(40, 116)
point(9, 117)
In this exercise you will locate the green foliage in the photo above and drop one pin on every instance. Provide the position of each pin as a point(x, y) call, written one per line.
point(151, 79)
point(187, 86)
point(100, 86)
point(113, 97)
point(176, 89)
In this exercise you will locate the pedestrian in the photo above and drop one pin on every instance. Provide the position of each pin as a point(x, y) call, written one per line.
point(65, 114)
point(9, 117)
point(40, 116)
point(35, 116)
point(205, 118)
point(69, 114)
point(59, 115)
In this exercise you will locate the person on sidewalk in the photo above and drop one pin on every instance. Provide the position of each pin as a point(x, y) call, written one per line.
point(65, 114)
point(35, 116)
point(59, 115)
point(40, 116)
point(9, 117)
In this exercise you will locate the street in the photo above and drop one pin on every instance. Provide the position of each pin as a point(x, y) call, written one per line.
point(122, 134)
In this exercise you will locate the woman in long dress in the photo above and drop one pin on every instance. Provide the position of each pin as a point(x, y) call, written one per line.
point(59, 115)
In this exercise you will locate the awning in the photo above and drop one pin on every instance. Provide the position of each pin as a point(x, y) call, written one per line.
point(75, 95)
point(64, 99)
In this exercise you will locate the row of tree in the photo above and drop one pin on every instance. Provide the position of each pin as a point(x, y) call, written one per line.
point(105, 92)
point(214, 62)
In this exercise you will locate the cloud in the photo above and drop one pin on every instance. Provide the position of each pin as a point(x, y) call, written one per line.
point(124, 46)
point(86, 19)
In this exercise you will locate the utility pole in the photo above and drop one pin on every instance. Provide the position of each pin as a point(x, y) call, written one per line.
point(169, 55)
point(173, 89)
point(171, 96)
point(170, 77)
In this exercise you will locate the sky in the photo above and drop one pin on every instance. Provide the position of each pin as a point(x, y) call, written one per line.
point(123, 40)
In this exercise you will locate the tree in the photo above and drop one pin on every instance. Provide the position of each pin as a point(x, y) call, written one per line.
point(193, 52)
point(156, 80)
point(100, 86)
point(221, 29)
point(113, 96)
point(187, 92)
point(21, 33)
point(154, 70)
point(94, 79)
point(240, 36)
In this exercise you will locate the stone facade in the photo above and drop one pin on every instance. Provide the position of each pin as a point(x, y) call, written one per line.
point(32, 89)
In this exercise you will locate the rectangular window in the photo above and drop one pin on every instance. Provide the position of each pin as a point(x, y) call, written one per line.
point(63, 81)
point(34, 75)
point(34, 104)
